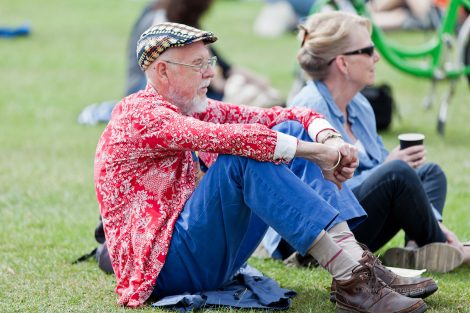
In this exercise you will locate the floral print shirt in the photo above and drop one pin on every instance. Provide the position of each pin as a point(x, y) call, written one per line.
point(144, 173)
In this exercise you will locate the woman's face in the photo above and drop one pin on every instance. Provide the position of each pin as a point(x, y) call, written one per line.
point(361, 66)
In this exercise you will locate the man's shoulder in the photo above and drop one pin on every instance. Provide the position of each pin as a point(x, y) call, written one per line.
point(144, 102)
point(141, 96)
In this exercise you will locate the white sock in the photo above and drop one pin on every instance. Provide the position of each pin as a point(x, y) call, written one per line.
point(342, 235)
point(332, 257)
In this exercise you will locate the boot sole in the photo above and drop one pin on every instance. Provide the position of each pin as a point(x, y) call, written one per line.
point(435, 257)
point(341, 309)
point(422, 293)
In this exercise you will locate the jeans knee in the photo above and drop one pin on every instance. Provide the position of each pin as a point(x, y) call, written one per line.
point(401, 171)
point(433, 170)
point(293, 128)
point(228, 161)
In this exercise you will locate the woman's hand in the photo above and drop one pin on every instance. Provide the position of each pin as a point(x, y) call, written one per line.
point(415, 156)
point(451, 238)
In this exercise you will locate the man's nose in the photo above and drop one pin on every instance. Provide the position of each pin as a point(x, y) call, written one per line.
point(209, 72)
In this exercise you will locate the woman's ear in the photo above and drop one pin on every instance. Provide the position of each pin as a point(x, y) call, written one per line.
point(342, 64)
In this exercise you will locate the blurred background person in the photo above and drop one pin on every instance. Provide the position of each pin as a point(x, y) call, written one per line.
point(231, 83)
point(405, 14)
point(280, 16)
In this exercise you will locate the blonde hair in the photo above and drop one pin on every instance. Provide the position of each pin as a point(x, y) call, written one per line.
point(325, 36)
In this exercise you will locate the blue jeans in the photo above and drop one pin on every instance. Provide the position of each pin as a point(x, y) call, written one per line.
point(396, 197)
point(228, 214)
point(352, 212)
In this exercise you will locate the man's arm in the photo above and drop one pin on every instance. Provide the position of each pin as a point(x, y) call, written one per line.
point(226, 113)
point(337, 161)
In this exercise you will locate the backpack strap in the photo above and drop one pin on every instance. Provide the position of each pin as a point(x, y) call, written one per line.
point(85, 256)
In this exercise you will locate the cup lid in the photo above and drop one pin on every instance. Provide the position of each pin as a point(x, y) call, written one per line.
point(411, 136)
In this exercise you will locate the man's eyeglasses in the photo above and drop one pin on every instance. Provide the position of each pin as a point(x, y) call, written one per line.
point(201, 67)
point(367, 50)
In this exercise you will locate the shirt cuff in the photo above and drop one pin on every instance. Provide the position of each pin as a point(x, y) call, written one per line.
point(286, 146)
point(317, 126)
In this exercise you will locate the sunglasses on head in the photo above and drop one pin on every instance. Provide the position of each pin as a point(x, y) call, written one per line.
point(302, 28)
point(367, 50)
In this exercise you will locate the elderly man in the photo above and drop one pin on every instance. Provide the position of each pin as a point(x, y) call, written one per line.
point(170, 232)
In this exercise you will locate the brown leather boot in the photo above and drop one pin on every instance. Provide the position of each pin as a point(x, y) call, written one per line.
point(364, 292)
point(413, 287)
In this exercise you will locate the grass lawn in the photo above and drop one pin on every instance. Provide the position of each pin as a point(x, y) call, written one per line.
point(75, 57)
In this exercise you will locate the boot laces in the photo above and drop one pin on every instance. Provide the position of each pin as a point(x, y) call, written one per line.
point(376, 261)
point(374, 283)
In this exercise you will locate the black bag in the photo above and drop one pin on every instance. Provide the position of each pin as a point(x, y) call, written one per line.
point(100, 253)
point(381, 99)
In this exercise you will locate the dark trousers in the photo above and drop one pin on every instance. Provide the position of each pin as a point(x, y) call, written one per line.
point(398, 197)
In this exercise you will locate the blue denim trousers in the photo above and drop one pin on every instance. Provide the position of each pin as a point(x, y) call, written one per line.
point(228, 214)
point(395, 197)
point(308, 172)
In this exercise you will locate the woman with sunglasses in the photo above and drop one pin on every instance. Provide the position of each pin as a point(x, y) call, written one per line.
point(397, 189)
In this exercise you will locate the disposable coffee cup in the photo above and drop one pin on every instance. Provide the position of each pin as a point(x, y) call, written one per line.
point(410, 139)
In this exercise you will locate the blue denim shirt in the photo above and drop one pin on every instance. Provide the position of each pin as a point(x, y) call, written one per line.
point(315, 95)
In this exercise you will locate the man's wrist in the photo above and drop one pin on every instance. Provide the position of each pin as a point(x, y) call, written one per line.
point(317, 127)
point(328, 134)
point(334, 142)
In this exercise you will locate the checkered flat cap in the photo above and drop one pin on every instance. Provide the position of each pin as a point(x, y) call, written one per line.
point(155, 40)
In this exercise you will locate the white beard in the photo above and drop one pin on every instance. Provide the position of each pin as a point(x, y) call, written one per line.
point(198, 104)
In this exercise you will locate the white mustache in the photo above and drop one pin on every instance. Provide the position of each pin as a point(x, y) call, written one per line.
point(205, 84)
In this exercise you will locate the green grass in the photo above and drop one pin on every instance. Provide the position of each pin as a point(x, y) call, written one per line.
point(75, 57)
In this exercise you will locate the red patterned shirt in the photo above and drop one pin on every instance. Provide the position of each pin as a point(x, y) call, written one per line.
point(144, 173)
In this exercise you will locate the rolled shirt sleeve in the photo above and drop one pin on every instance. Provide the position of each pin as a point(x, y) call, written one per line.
point(286, 146)
point(317, 126)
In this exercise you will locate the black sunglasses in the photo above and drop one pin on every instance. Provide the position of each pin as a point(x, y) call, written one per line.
point(302, 28)
point(367, 50)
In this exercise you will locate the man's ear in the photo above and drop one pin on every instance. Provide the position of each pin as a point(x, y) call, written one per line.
point(161, 70)
point(157, 73)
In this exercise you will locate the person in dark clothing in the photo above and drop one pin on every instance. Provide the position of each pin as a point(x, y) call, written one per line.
point(398, 189)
